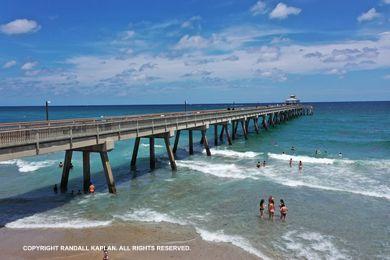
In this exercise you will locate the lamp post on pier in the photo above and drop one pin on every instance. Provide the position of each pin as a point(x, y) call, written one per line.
point(47, 109)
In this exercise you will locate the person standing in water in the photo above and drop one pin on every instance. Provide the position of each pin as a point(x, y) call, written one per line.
point(263, 163)
point(290, 162)
point(283, 210)
point(262, 207)
point(300, 165)
point(55, 189)
point(271, 208)
point(91, 188)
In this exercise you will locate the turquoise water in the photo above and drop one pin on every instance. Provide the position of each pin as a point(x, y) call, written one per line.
point(339, 207)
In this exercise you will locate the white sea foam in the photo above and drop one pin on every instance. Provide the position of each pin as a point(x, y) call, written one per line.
point(331, 179)
point(304, 159)
point(156, 145)
point(238, 241)
point(233, 154)
point(230, 170)
point(149, 215)
point(25, 166)
point(311, 245)
point(50, 221)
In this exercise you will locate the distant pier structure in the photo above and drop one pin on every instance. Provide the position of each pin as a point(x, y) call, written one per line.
point(92, 135)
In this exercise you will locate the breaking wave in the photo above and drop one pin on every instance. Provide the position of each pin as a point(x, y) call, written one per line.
point(25, 166)
point(310, 245)
point(51, 221)
point(230, 170)
point(238, 241)
point(148, 215)
point(233, 154)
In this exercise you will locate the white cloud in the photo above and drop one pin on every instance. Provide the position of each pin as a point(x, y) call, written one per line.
point(258, 8)
point(128, 34)
point(388, 75)
point(190, 23)
point(386, 2)
point(29, 65)
point(273, 74)
point(282, 11)
point(368, 16)
point(192, 42)
point(20, 26)
point(9, 64)
point(268, 54)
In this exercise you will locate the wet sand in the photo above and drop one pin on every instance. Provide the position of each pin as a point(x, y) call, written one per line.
point(152, 235)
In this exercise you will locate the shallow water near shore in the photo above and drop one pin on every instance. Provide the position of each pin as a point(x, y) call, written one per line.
point(339, 207)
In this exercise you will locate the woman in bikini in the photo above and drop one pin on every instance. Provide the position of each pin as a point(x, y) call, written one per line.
point(271, 208)
point(283, 210)
point(262, 207)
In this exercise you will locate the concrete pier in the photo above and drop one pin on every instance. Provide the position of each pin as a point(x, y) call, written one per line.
point(99, 135)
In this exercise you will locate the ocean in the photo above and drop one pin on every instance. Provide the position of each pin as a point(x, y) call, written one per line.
point(339, 206)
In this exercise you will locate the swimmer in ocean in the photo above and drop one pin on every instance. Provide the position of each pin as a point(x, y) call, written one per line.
point(258, 165)
point(290, 162)
point(300, 165)
point(340, 154)
point(263, 163)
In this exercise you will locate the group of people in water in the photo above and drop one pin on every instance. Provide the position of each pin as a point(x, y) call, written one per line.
point(61, 164)
point(271, 208)
point(91, 189)
point(300, 164)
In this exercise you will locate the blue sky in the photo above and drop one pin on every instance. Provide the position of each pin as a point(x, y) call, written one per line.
point(147, 52)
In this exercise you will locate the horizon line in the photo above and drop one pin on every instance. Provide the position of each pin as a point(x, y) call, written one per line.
point(191, 104)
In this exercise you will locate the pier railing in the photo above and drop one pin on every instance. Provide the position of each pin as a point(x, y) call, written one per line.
point(15, 134)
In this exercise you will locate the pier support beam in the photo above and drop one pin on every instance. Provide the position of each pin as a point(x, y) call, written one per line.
point(271, 120)
point(108, 172)
point(135, 153)
point(170, 152)
point(152, 155)
point(86, 171)
point(264, 123)
point(66, 170)
point(175, 145)
point(227, 134)
point(221, 134)
point(205, 142)
point(247, 121)
point(102, 149)
point(190, 142)
point(244, 129)
point(255, 123)
point(233, 128)
point(215, 135)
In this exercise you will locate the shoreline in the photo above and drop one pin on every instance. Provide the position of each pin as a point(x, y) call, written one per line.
point(176, 241)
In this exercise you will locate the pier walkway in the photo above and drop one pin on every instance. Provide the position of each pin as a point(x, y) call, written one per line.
point(99, 135)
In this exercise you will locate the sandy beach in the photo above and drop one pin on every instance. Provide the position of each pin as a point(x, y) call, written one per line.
point(152, 242)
